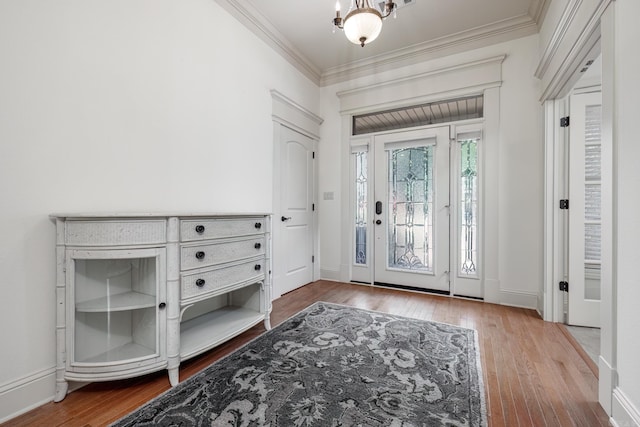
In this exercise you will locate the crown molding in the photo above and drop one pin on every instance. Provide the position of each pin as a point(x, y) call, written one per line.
point(251, 18)
point(500, 31)
point(538, 11)
point(485, 35)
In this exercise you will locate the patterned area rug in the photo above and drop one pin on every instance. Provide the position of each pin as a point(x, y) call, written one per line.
point(332, 365)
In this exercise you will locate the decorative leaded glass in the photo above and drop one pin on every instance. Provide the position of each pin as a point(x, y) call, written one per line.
point(361, 207)
point(410, 218)
point(468, 206)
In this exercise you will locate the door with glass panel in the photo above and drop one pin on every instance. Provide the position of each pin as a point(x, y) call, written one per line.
point(585, 222)
point(411, 212)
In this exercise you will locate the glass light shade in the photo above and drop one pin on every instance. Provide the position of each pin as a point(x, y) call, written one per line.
point(363, 23)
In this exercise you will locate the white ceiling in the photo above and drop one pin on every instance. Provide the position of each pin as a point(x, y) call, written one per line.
point(301, 30)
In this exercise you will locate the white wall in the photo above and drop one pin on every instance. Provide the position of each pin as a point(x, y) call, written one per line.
point(625, 127)
point(619, 379)
point(520, 168)
point(150, 105)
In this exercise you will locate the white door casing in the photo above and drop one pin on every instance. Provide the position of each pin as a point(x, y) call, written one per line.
point(585, 220)
point(292, 120)
point(432, 272)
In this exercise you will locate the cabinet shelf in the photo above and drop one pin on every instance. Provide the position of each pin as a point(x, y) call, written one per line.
point(208, 330)
point(129, 350)
point(119, 302)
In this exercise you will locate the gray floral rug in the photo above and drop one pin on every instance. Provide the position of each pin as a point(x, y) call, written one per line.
point(332, 365)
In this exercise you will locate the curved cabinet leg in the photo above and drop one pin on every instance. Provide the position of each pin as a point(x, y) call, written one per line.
point(61, 390)
point(174, 377)
point(267, 323)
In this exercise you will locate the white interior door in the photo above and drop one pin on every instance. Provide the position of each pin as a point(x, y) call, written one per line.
point(296, 211)
point(585, 222)
point(411, 244)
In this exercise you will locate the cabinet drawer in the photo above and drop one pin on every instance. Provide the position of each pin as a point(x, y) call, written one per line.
point(115, 232)
point(204, 282)
point(193, 229)
point(218, 253)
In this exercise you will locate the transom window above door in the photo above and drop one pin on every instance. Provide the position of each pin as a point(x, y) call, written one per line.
point(444, 111)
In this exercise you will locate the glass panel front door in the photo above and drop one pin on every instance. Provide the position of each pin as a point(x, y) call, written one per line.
point(412, 209)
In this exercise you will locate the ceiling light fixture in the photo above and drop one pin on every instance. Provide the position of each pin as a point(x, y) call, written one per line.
point(363, 23)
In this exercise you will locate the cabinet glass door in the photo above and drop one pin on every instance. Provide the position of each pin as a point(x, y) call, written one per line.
point(115, 299)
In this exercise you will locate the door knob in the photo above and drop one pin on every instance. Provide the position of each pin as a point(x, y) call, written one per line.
point(285, 218)
point(378, 221)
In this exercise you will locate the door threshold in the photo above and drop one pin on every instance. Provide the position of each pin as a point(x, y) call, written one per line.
point(412, 288)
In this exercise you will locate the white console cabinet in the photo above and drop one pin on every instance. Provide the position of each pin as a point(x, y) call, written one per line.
point(138, 293)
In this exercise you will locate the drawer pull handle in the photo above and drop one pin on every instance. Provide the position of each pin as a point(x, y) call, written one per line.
point(199, 229)
point(257, 267)
point(258, 225)
point(162, 305)
point(257, 245)
point(199, 255)
point(200, 283)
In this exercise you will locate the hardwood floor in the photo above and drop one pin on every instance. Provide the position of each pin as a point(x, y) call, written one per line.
point(533, 376)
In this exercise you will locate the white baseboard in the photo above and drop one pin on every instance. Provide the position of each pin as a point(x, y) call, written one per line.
point(623, 411)
point(492, 291)
point(606, 380)
point(494, 294)
point(327, 274)
point(519, 299)
point(540, 305)
point(26, 393)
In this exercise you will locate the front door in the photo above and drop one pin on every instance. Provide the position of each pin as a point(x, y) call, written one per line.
point(585, 222)
point(411, 213)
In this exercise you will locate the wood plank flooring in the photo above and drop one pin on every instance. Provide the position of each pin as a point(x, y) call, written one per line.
point(533, 376)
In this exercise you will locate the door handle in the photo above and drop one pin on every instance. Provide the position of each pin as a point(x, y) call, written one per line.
point(285, 218)
point(378, 221)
